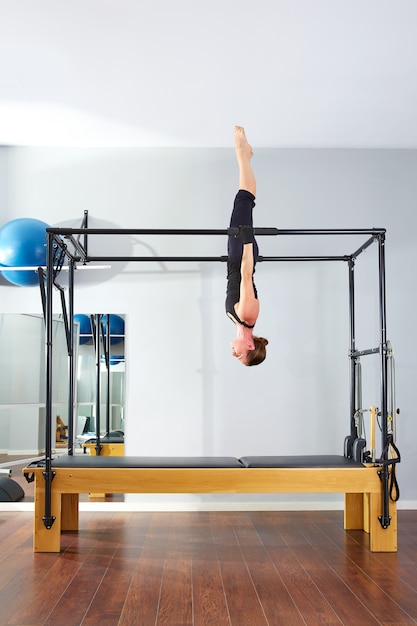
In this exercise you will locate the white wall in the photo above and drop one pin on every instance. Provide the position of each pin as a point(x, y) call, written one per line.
point(185, 394)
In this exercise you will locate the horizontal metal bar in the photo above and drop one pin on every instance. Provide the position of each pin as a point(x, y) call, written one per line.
point(64, 268)
point(229, 231)
point(332, 231)
point(357, 353)
point(165, 259)
point(68, 232)
point(222, 259)
point(305, 258)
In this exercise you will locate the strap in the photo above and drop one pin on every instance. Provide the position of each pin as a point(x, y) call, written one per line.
point(394, 490)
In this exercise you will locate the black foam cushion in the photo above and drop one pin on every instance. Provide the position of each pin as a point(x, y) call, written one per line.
point(145, 461)
point(334, 460)
point(10, 490)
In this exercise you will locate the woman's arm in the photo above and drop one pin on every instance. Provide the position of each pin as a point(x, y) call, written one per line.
point(248, 306)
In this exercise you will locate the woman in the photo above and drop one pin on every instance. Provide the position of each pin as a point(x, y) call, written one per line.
point(242, 304)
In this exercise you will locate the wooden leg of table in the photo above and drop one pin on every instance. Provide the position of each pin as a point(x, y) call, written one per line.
point(367, 512)
point(354, 511)
point(69, 511)
point(382, 539)
point(46, 540)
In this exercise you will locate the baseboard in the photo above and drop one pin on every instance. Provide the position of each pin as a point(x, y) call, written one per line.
point(407, 505)
point(24, 452)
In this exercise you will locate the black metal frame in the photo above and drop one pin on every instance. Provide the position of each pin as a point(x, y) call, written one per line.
point(65, 242)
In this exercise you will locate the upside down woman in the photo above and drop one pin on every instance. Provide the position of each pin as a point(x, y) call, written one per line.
point(242, 304)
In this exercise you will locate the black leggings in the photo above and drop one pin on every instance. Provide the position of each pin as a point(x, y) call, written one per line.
point(241, 216)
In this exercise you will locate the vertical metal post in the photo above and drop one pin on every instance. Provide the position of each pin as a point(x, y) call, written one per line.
point(41, 278)
point(353, 359)
point(383, 341)
point(107, 358)
point(48, 519)
point(71, 362)
point(384, 518)
point(98, 381)
point(85, 225)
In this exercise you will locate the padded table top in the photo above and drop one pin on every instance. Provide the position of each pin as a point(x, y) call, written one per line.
point(145, 461)
point(330, 460)
point(309, 461)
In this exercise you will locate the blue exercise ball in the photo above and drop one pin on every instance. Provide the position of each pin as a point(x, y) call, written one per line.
point(86, 334)
point(117, 327)
point(115, 359)
point(22, 244)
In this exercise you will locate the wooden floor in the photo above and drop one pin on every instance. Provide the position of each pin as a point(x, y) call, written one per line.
point(217, 568)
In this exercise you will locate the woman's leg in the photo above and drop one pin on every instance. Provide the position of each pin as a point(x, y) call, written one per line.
point(244, 154)
point(245, 198)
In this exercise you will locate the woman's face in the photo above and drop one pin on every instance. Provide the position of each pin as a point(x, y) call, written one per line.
point(240, 348)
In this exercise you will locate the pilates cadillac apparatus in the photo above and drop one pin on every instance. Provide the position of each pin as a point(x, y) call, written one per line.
point(366, 478)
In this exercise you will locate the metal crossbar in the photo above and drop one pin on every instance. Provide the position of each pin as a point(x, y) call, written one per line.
point(213, 231)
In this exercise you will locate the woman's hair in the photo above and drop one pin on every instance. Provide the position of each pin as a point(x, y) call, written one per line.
point(258, 354)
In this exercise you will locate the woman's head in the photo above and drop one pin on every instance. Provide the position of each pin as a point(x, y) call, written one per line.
point(250, 351)
point(258, 354)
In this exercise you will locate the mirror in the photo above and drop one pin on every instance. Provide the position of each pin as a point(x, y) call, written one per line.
point(22, 382)
point(110, 360)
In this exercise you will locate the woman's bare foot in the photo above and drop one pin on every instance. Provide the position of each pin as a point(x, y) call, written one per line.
point(241, 143)
point(243, 154)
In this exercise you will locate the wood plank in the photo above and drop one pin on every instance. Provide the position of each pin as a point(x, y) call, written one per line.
point(142, 598)
point(110, 597)
point(243, 602)
point(209, 600)
point(277, 604)
point(216, 480)
point(309, 600)
point(349, 609)
point(175, 602)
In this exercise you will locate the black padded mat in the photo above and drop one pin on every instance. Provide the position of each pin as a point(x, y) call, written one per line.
point(86, 461)
point(105, 440)
point(312, 461)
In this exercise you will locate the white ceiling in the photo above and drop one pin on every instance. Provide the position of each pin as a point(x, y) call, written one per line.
point(296, 73)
